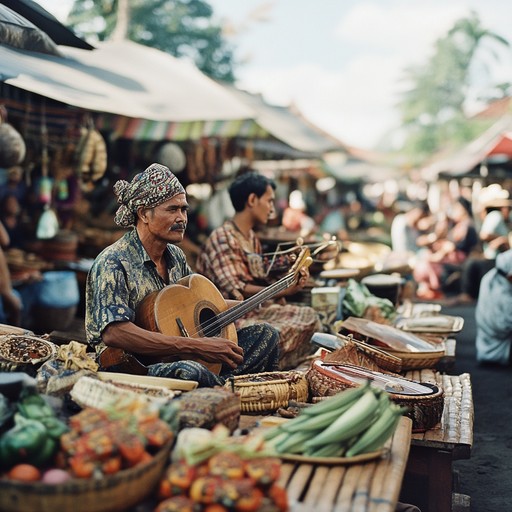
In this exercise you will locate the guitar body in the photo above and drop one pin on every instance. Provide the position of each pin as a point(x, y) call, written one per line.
point(185, 309)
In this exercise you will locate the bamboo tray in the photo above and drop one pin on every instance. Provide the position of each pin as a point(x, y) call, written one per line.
point(148, 380)
point(330, 461)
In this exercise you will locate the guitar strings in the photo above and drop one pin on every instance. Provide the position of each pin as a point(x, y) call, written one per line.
point(239, 310)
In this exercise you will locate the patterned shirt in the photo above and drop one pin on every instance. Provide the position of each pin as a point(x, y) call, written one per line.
point(120, 278)
point(224, 261)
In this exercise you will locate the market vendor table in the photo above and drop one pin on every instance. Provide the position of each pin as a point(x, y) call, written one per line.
point(372, 486)
point(433, 452)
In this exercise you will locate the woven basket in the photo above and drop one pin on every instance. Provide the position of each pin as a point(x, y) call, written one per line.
point(384, 360)
point(206, 407)
point(11, 329)
point(92, 392)
point(268, 391)
point(424, 410)
point(324, 383)
point(30, 361)
point(418, 360)
point(110, 493)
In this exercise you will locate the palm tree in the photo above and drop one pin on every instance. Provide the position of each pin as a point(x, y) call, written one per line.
point(432, 107)
point(469, 34)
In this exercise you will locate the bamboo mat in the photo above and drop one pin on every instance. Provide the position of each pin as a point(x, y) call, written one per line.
point(373, 486)
point(456, 425)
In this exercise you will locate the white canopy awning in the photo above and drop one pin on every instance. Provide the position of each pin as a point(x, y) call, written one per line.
point(286, 126)
point(123, 78)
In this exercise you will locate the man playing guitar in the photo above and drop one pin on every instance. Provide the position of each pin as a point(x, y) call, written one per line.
point(146, 261)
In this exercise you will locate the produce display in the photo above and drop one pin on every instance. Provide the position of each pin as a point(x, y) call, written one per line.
point(37, 445)
point(106, 442)
point(355, 421)
point(212, 471)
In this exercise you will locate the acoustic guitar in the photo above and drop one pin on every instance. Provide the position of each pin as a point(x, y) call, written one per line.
point(194, 307)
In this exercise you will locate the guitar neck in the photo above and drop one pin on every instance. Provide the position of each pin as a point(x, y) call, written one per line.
point(239, 310)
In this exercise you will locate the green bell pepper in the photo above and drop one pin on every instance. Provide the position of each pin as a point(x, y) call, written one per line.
point(33, 406)
point(23, 442)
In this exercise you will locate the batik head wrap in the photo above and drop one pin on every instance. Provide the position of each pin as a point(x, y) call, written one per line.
point(148, 189)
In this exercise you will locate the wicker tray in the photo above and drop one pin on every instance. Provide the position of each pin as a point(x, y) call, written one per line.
point(418, 360)
point(110, 493)
point(268, 391)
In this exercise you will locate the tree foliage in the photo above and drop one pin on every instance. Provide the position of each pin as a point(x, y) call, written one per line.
point(183, 28)
point(433, 107)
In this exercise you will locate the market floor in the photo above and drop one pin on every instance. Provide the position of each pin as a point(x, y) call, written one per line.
point(485, 477)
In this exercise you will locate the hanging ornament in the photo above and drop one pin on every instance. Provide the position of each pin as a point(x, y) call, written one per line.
point(172, 156)
point(12, 145)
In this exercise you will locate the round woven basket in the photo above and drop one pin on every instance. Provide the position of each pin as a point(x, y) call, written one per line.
point(323, 383)
point(24, 353)
point(424, 410)
point(267, 391)
point(110, 493)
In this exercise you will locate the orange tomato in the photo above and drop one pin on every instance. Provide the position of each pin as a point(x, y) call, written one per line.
point(131, 449)
point(227, 464)
point(81, 466)
point(181, 475)
point(111, 465)
point(215, 508)
point(24, 473)
point(279, 496)
point(176, 504)
point(205, 490)
point(263, 470)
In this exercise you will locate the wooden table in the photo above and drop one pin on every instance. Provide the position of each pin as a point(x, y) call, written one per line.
point(373, 486)
point(433, 452)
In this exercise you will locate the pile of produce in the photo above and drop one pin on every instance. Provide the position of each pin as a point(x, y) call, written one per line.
point(36, 445)
point(108, 441)
point(212, 471)
point(355, 421)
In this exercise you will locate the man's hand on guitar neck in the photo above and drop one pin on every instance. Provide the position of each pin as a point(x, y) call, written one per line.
point(134, 339)
point(302, 280)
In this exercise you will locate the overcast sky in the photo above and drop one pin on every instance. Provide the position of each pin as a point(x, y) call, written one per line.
point(340, 61)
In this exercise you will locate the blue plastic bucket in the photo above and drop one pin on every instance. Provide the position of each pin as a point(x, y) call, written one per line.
point(58, 289)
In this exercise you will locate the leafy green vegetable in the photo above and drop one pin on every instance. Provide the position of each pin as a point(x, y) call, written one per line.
point(358, 298)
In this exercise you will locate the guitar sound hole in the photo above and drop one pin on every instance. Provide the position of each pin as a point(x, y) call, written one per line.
point(206, 319)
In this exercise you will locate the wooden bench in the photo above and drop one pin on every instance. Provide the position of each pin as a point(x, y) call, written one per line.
point(429, 473)
point(373, 486)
